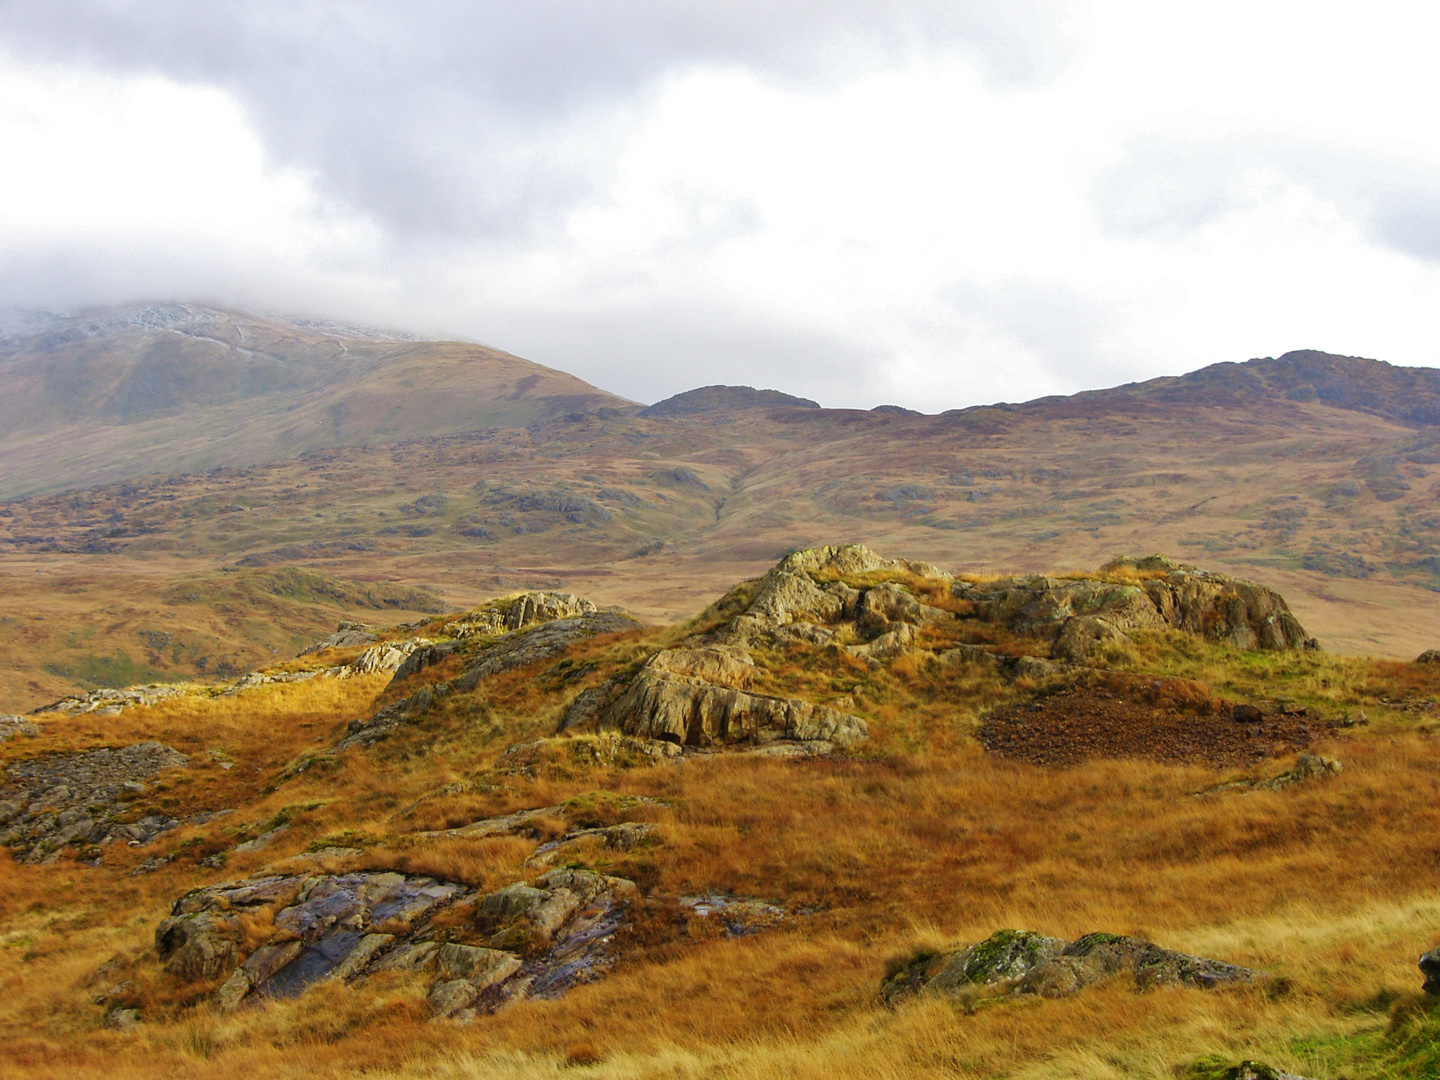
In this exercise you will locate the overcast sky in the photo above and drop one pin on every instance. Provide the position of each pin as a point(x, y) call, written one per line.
point(932, 204)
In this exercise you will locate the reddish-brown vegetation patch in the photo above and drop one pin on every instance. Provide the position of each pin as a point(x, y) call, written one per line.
point(1087, 722)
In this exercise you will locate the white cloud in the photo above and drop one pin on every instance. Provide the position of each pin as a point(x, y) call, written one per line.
point(903, 216)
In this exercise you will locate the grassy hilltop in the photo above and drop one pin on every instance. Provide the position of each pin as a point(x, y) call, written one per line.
point(836, 772)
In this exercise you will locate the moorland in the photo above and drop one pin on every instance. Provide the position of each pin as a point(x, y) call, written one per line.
point(627, 760)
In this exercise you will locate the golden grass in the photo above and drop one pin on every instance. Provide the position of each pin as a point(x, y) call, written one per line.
point(920, 841)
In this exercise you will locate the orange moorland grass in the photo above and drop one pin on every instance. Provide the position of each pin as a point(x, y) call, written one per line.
point(922, 841)
point(894, 854)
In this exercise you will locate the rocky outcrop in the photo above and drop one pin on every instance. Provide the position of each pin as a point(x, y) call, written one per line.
point(1012, 962)
point(112, 701)
point(696, 714)
point(10, 726)
point(1430, 968)
point(347, 635)
point(324, 927)
point(49, 803)
point(527, 940)
point(1080, 616)
point(517, 612)
point(692, 697)
point(790, 604)
point(545, 641)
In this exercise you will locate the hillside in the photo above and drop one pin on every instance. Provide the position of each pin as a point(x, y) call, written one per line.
point(113, 394)
point(860, 816)
point(1311, 472)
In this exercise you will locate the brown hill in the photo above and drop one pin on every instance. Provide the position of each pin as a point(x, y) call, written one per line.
point(1309, 473)
point(112, 394)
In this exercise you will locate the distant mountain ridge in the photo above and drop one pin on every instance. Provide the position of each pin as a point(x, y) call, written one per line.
point(1409, 395)
point(109, 394)
point(106, 394)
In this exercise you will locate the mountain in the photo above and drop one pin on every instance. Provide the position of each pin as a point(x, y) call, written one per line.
point(110, 394)
point(722, 399)
point(1310, 471)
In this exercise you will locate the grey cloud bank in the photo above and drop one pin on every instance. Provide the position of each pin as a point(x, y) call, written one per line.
point(932, 204)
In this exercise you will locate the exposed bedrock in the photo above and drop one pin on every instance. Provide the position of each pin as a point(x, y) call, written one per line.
point(1018, 962)
point(1079, 616)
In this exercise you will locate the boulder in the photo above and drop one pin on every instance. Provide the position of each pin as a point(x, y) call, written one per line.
point(1430, 968)
point(1429, 656)
point(198, 945)
point(1012, 962)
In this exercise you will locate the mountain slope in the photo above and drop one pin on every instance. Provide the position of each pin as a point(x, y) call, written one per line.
point(109, 395)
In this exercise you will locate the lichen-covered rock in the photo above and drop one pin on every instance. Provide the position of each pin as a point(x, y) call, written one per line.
point(1022, 962)
point(789, 603)
point(720, 665)
point(690, 712)
point(1080, 616)
point(198, 945)
point(51, 802)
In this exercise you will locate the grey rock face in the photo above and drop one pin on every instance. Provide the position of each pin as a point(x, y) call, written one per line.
point(111, 702)
point(347, 635)
point(346, 926)
point(336, 926)
point(51, 802)
point(1023, 962)
point(1430, 968)
point(10, 726)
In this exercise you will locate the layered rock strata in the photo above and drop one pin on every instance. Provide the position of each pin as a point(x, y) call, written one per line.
point(534, 939)
point(692, 697)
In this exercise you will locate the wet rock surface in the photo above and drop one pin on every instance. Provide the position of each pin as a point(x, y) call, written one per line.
point(1086, 721)
point(532, 940)
point(1018, 962)
point(51, 802)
